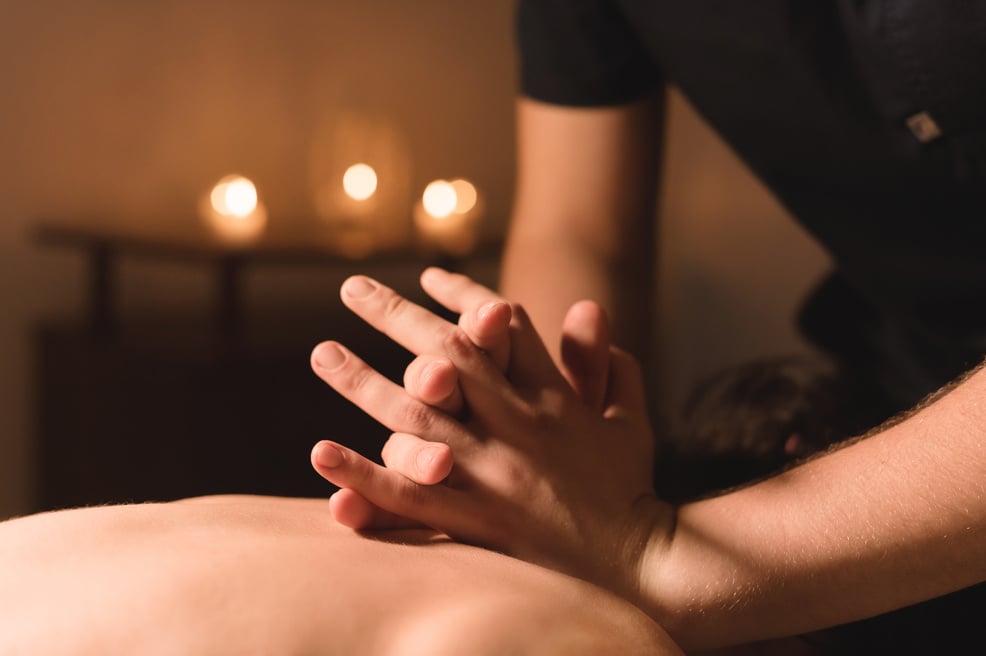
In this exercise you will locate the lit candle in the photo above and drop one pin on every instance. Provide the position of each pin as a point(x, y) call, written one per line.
point(447, 215)
point(359, 174)
point(466, 196)
point(234, 211)
point(352, 208)
point(360, 182)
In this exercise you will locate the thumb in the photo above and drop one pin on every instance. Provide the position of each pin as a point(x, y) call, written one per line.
point(585, 357)
point(626, 384)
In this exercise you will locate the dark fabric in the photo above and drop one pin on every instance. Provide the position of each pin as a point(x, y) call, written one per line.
point(816, 97)
point(582, 53)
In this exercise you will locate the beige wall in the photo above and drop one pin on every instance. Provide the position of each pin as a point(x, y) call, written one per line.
point(129, 109)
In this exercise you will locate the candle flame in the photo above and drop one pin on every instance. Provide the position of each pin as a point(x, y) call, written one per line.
point(360, 181)
point(234, 195)
point(440, 199)
point(233, 210)
point(465, 195)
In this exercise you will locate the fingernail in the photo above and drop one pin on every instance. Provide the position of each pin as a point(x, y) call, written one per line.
point(433, 369)
point(328, 456)
point(489, 308)
point(359, 287)
point(329, 356)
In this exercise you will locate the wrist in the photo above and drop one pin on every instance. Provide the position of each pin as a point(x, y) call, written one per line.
point(654, 534)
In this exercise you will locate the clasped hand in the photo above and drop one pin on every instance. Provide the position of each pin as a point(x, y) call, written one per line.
point(549, 467)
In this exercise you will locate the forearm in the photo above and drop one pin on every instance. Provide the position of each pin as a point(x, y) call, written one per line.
point(549, 270)
point(583, 219)
point(892, 520)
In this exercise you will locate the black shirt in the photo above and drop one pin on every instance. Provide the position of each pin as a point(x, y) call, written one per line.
point(867, 120)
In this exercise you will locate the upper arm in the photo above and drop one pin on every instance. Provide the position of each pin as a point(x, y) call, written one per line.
point(589, 171)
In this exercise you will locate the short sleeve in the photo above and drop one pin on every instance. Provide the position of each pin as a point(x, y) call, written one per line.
point(582, 53)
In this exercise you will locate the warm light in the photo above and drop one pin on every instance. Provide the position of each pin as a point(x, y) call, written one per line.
point(439, 199)
point(360, 181)
point(465, 196)
point(233, 210)
point(447, 216)
point(359, 171)
point(234, 195)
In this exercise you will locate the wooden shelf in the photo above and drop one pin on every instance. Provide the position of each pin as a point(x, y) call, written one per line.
point(104, 243)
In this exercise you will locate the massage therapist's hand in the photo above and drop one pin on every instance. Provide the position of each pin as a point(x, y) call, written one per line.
point(538, 473)
point(484, 317)
point(432, 379)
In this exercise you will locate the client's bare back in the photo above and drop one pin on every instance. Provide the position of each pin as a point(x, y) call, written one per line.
point(264, 575)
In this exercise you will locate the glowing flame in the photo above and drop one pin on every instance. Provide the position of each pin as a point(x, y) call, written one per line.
point(465, 195)
point(360, 181)
point(234, 195)
point(233, 210)
point(440, 199)
point(448, 215)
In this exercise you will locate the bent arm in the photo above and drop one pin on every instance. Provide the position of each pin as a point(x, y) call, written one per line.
point(889, 521)
point(582, 224)
point(886, 522)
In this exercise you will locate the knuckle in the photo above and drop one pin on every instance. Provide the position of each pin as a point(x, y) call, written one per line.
point(393, 306)
point(361, 473)
point(411, 495)
point(416, 417)
point(543, 420)
point(356, 378)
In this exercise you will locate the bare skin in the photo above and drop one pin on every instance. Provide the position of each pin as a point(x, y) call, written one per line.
point(265, 575)
point(583, 218)
point(889, 521)
point(432, 379)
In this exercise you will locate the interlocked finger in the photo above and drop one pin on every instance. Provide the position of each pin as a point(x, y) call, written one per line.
point(585, 351)
point(380, 397)
point(432, 505)
point(434, 380)
point(484, 315)
point(423, 332)
point(352, 509)
point(407, 323)
point(417, 459)
point(456, 291)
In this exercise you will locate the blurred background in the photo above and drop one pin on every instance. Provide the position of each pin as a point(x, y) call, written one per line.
point(152, 346)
